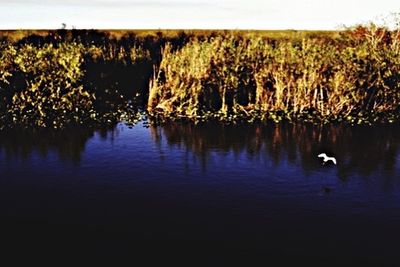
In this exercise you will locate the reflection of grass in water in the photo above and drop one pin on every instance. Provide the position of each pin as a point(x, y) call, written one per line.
point(359, 150)
point(296, 143)
point(69, 144)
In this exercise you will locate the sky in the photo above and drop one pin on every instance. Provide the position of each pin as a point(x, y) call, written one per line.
point(193, 14)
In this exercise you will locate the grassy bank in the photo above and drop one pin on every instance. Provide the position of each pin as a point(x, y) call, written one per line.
point(354, 78)
point(73, 77)
point(56, 78)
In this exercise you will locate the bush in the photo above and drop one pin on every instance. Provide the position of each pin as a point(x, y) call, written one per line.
point(49, 92)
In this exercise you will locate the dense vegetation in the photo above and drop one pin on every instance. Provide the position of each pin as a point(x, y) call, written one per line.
point(354, 78)
point(55, 78)
point(71, 78)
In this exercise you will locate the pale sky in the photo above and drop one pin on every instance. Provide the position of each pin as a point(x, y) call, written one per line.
point(192, 14)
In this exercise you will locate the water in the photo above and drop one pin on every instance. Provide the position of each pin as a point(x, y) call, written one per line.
point(209, 191)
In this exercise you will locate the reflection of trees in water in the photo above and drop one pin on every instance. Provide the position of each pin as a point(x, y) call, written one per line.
point(68, 144)
point(358, 149)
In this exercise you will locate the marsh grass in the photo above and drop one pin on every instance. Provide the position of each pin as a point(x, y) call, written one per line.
point(68, 81)
point(54, 78)
point(44, 83)
point(354, 78)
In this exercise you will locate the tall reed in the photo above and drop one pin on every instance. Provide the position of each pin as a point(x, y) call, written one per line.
point(232, 75)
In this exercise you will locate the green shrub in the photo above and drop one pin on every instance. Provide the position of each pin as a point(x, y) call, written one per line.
point(50, 92)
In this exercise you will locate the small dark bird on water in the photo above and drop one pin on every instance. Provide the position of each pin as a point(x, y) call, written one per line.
point(327, 190)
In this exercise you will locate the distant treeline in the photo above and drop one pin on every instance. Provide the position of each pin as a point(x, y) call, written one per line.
point(55, 78)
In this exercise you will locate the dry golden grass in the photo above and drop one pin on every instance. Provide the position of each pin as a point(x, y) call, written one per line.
point(16, 35)
point(329, 75)
point(305, 75)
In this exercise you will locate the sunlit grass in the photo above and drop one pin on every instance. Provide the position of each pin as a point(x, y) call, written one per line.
point(51, 78)
point(350, 78)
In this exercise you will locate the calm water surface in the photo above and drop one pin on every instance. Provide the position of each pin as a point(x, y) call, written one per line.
point(208, 191)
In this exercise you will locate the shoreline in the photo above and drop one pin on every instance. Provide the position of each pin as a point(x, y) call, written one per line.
point(54, 78)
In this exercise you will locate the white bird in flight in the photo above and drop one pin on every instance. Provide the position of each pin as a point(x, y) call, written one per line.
point(326, 158)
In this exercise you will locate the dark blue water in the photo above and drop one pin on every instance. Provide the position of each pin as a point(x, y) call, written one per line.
point(206, 191)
